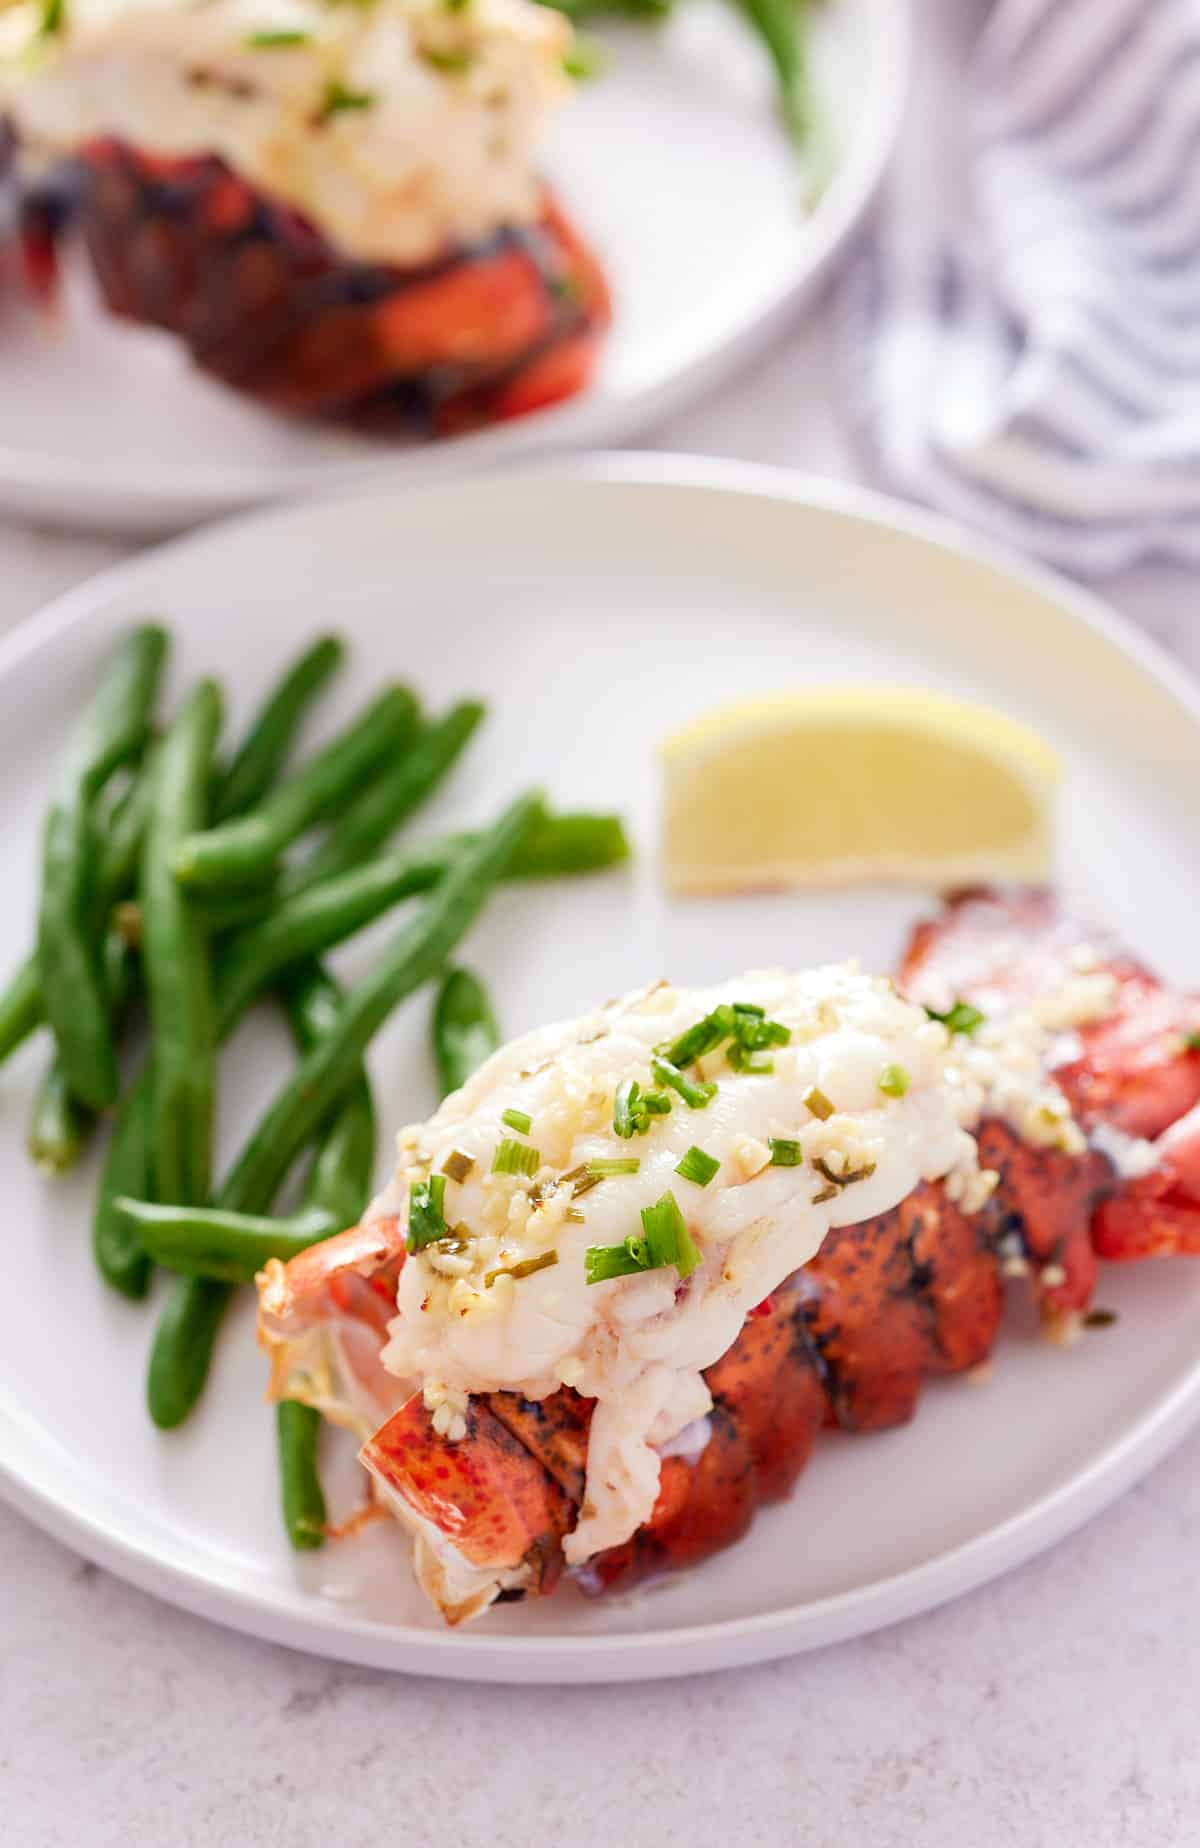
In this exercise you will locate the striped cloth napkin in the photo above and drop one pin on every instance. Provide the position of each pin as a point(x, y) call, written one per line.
point(1024, 318)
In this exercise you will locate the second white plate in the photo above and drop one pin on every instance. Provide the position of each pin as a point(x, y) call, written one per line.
point(675, 167)
point(596, 606)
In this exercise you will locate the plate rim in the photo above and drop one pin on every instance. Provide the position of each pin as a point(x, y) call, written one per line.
point(656, 1652)
point(71, 496)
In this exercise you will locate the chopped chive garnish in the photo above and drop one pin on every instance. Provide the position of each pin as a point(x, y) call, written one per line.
point(753, 1062)
point(638, 1247)
point(456, 6)
point(826, 1193)
point(705, 1036)
point(604, 1262)
point(585, 59)
point(960, 1018)
point(574, 1217)
point(633, 1108)
point(1191, 1042)
point(625, 1108)
point(451, 61)
point(784, 1154)
point(513, 1157)
point(847, 1177)
point(517, 1119)
point(584, 1185)
point(745, 1023)
point(338, 100)
point(54, 17)
point(667, 1236)
point(277, 40)
point(697, 1166)
point(664, 1239)
point(894, 1081)
point(819, 1104)
point(526, 1268)
point(623, 1164)
point(426, 1220)
point(695, 1096)
point(457, 1165)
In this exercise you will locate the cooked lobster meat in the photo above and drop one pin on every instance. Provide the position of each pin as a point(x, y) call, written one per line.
point(340, 217)
point(1079, 1074)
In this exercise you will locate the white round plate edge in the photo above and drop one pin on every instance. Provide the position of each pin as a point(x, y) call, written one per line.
point(137, 506)
point(657, 1653)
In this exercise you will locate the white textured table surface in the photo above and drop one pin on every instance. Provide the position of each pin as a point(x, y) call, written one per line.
point(1057, 1707)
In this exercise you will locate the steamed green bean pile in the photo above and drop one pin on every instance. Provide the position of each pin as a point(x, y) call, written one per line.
point(180, 888)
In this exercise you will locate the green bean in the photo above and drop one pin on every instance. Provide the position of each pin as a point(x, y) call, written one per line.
point(206, 1241)
point(413, 958)
point(580, 11)
point(297, 1430)
point(388, 802)
point(781, 26)
point(59, 1125)
point(343, 1167)
point(117, 723)
point(112, 733)
point(558, 845)
point(258, 760)
point(121, 837)
point(340, 1181)
point(68, 959)
point(315, 921)
point(184, 1340)
point(245, 849)
point(232, 1246)
point(21, 1010)
point(464, 1028)
point(175, 958)
point(128, 1169)
point(182, 1350)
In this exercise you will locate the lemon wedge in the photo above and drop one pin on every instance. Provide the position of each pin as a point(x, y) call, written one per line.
point(840, 785)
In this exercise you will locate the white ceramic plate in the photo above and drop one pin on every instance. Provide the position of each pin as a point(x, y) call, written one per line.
point(597, 606)
point(675, 167)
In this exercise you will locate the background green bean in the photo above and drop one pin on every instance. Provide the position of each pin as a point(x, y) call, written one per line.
point(262, 753)
point(339, 1180)
point(297, 1429)
point(175, 959)
point(183, 1343)
point(464, 1028)
point(207, 1241)
point(116, 725)
point(113, 732)
point(59, 1125)
point(314, 921)
point(383, 807)
point(413, 958)
point(128, 1170)
point(245, 849)
point(183, 1346)
point(21, 1010)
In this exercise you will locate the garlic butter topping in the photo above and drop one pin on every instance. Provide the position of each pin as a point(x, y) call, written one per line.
point(498, 1296)
point(401, 128)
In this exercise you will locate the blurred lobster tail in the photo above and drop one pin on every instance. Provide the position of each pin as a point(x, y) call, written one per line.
point(265, 303)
